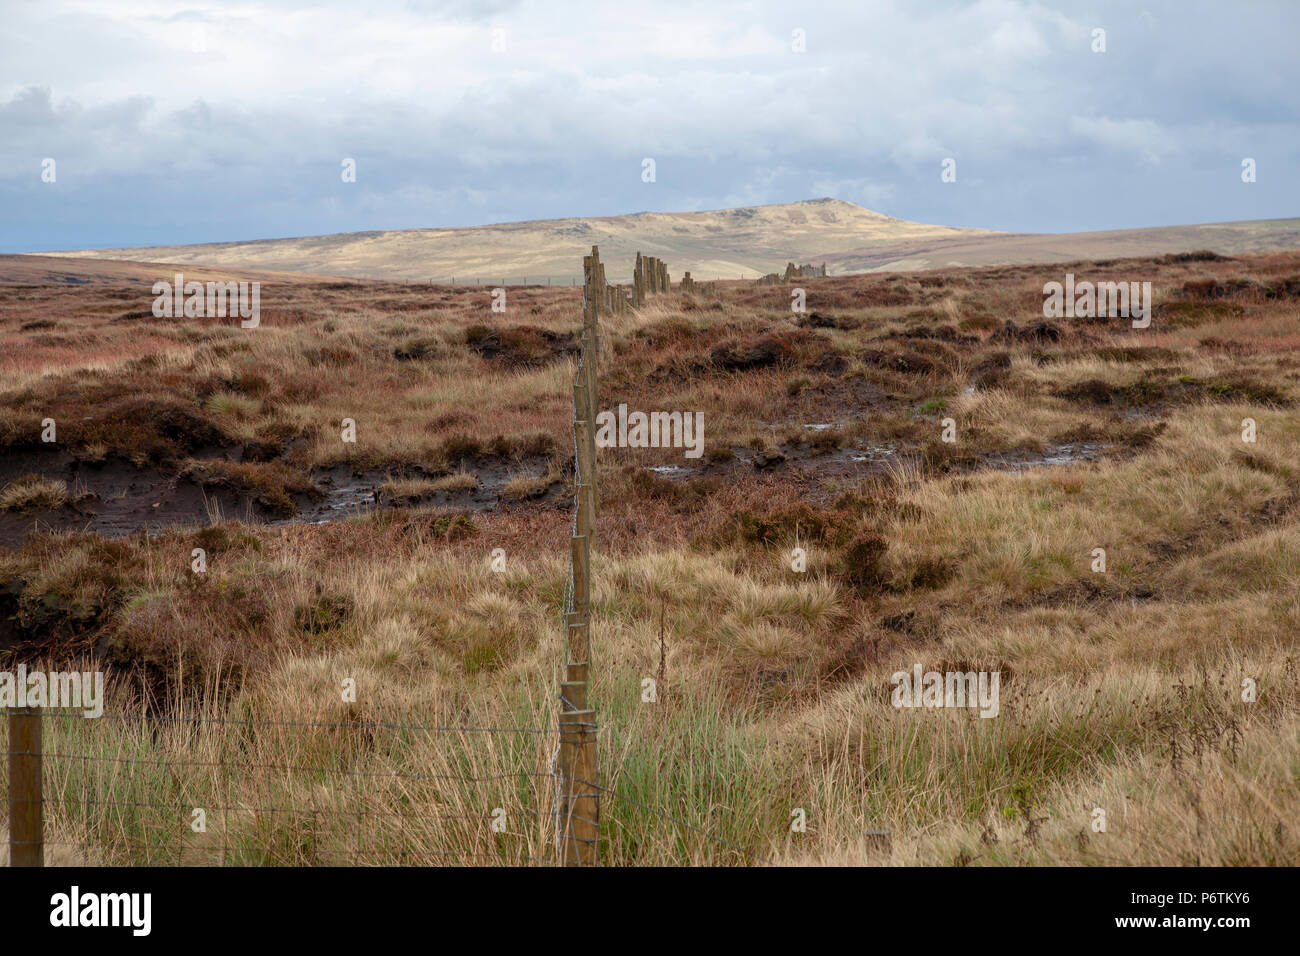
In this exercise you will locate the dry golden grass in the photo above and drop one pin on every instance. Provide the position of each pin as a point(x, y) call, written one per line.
point(1122, 690)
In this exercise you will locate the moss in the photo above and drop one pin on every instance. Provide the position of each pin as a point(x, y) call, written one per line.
point(325, 613)
point(453, 527)
point(933, 406)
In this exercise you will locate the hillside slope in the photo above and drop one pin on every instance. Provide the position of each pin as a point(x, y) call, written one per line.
point(724, 243)
point(717, 244)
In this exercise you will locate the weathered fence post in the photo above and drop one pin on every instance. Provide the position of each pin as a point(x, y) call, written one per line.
point(579, 809)
point(26, 800)
point(592, 363)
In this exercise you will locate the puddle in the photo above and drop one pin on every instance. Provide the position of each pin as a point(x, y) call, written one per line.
point(346, 495)
point(873, 452)
point(1066, 454)
point(810, 426)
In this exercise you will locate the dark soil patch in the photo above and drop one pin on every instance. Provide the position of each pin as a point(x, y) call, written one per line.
point(1199, 255)
point(818, 320)
point(1231, 388)
point(939, 333)
point(415, 349)
point(909, 363)
point(1283, 288)
point(992, 371)
point(121, 498)
point(520, 346)
point(746, 356)
point(1035, 333)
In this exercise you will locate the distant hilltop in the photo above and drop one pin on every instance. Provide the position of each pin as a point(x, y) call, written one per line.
point(749, 242)
point(715, 244)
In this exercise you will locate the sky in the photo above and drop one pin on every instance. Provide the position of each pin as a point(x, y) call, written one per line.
point(204, 122)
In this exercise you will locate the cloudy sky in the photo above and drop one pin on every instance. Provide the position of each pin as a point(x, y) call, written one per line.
point(195, 122)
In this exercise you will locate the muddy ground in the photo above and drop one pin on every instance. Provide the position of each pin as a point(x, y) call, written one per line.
point(858, 385)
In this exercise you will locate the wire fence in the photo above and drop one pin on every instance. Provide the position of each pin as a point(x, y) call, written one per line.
point(149, 788)
point(132, 789)
point(142, 790)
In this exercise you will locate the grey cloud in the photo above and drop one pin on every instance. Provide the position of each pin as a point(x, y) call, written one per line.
point(1047, 135)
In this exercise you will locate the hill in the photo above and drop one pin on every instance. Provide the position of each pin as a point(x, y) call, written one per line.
point(723, 243)
point(717, 244)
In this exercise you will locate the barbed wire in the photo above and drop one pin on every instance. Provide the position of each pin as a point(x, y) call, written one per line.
point(380, 855)
point(296, 768)
point(359, 724)
point(249, 808)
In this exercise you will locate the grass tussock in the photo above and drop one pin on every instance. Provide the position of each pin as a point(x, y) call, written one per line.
point(33, 493)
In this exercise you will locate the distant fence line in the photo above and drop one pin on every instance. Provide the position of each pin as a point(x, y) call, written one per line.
point(793, 272)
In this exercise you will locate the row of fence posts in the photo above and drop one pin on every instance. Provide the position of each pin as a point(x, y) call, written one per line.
point(649, 277)
point(579, 810)
point(617, 298)
point(578, 834)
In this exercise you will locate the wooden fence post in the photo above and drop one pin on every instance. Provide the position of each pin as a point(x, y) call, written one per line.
point(26, 800)
point(590, 365)
point(579, 806)
point(583, 431)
